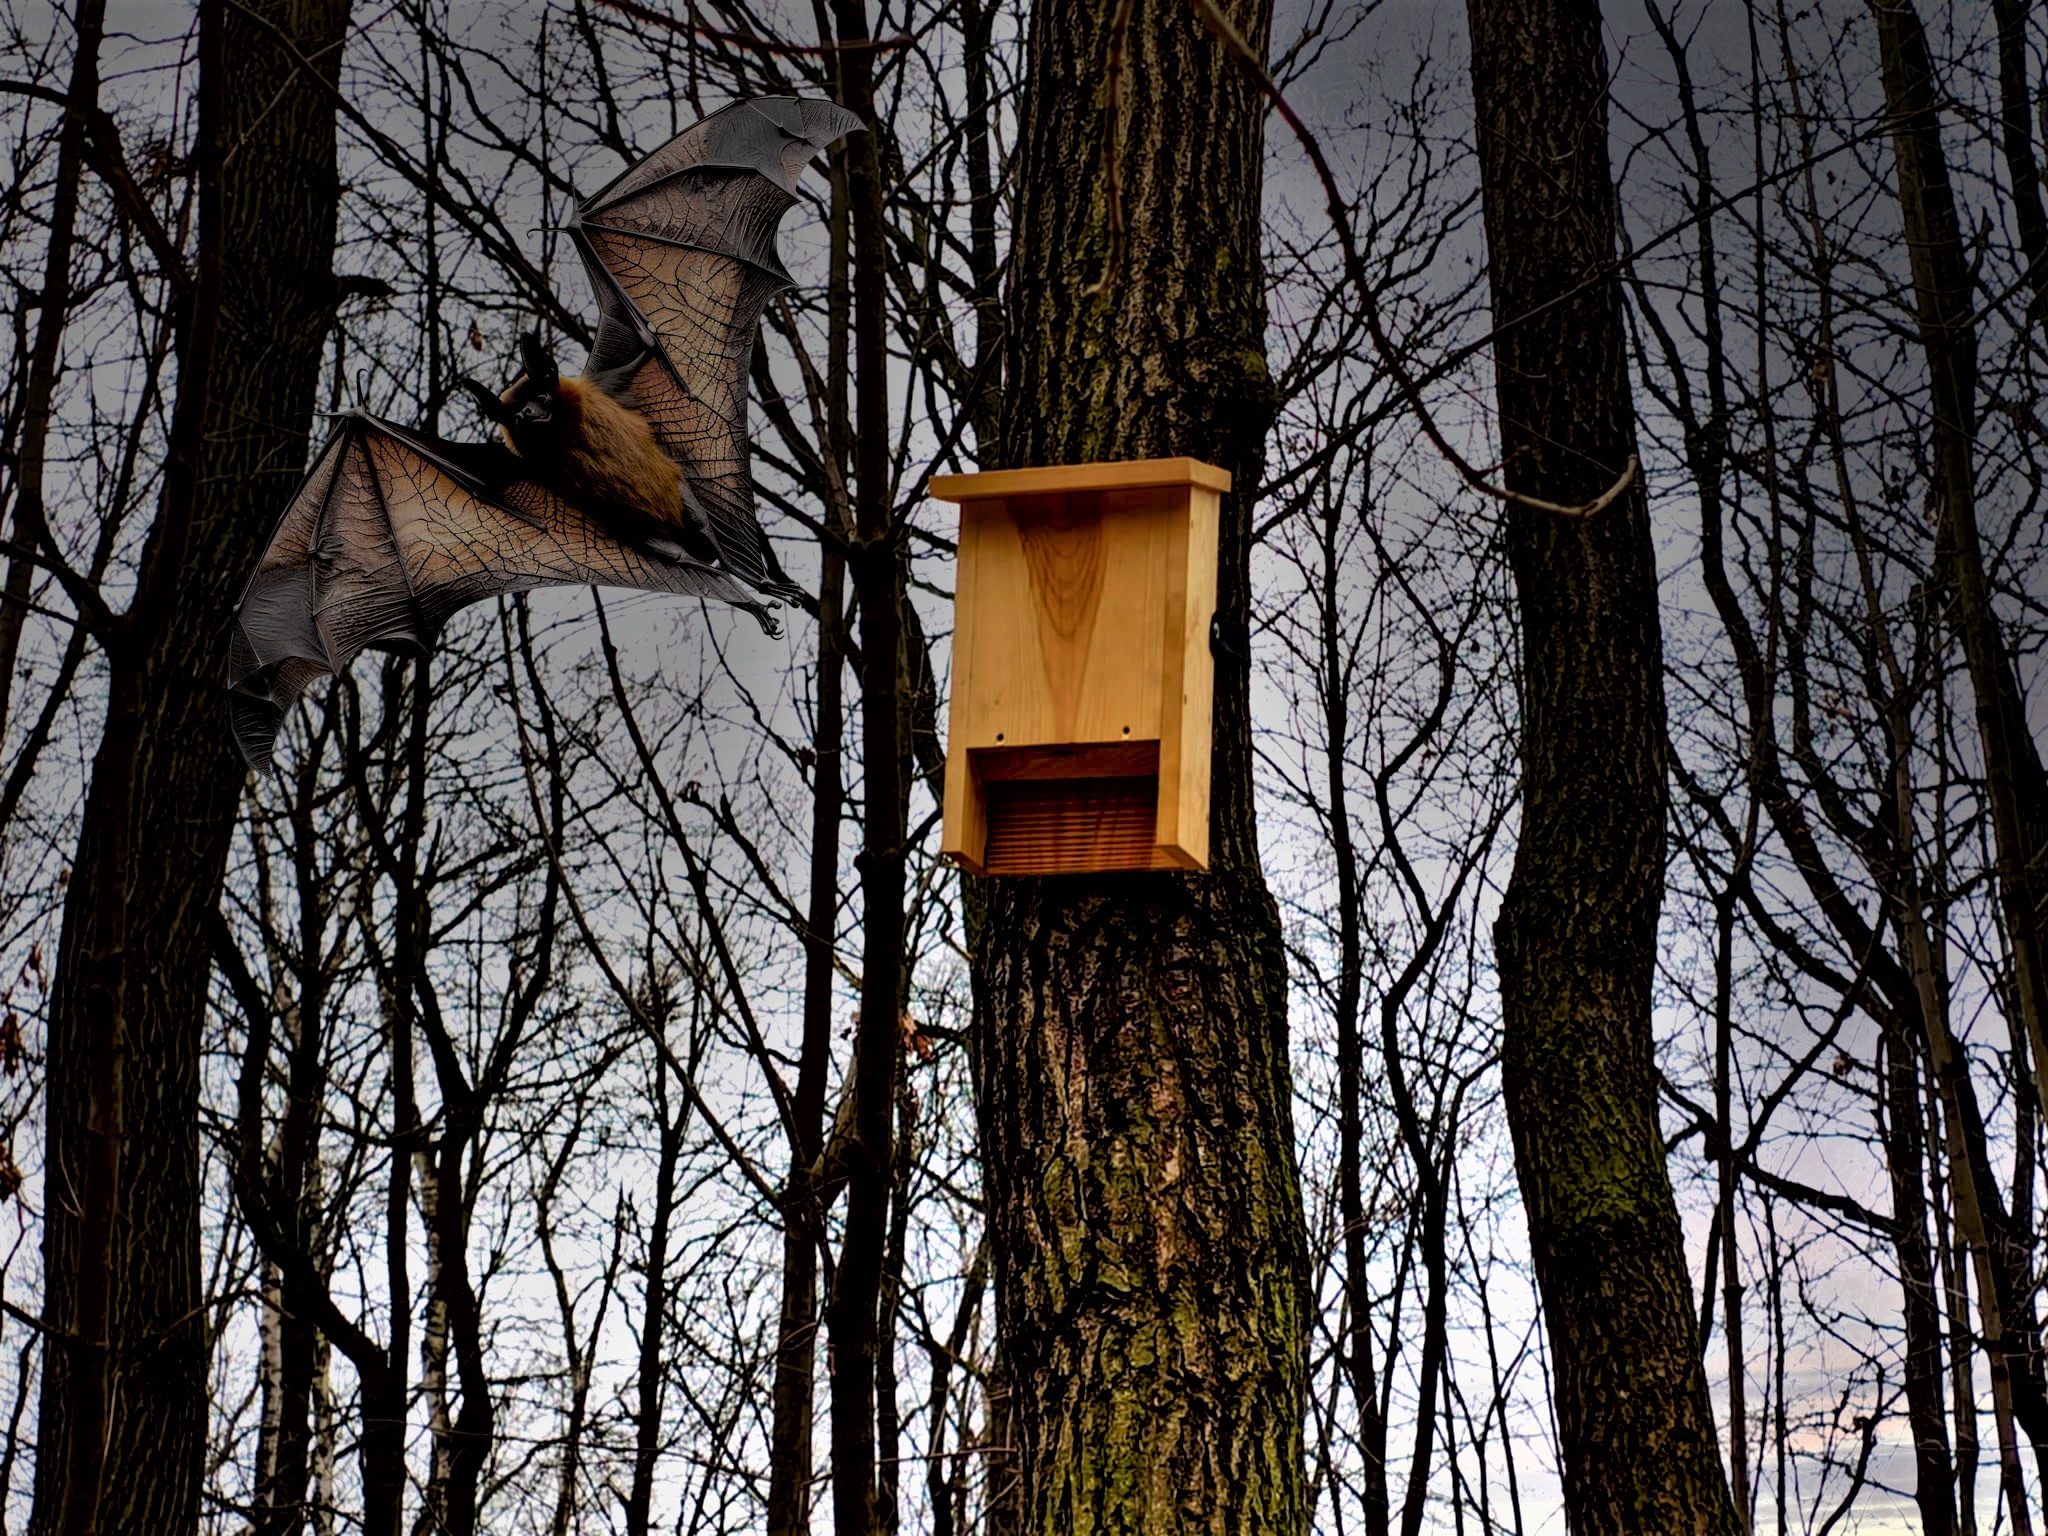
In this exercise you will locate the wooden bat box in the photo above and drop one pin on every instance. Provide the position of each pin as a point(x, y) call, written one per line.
point(1079, 732)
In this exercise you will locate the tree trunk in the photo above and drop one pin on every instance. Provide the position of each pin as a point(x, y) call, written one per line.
point(2016, 120)
point(1131, 1031)
point(161, 804)
point(875, 562)
point(654, 1318)
point(2015, 784)
point(1578, 926)
point(789, 1462)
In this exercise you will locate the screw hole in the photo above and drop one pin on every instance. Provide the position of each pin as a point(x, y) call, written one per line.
point(999, 735)
point(1127, 730)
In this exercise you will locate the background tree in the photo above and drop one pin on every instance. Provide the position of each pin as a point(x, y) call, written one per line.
point(1577, 933)
point(1131, 1034)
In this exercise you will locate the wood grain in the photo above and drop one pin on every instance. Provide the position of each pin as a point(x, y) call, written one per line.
point(1081, 621)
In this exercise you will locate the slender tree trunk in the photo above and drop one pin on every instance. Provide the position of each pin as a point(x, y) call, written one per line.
point(888, 1413)
point(1975, 1221)
point(285, 1446)
point(789, 1466)
point(1962, 1352)
point(1725, 1192)
point(1577, 931)
point(1358, 1340)
point(944, 1490)
point(2016, 120)
point(53, 312)
point(320, 1482)
point(1905, 1147)
point(654, 1316)
point(2015, 783)
point(876, 565)
point(1131, 1032)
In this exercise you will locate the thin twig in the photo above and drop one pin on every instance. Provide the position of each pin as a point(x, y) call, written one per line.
point(757, 44)
point(1354, 267)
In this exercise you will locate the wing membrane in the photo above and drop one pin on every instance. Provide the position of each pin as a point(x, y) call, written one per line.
point(681, 251)
point(390, 536)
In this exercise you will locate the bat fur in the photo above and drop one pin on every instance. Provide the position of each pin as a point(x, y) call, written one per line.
point(597, 452)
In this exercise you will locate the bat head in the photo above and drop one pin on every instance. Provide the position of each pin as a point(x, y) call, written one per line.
point(533, 411)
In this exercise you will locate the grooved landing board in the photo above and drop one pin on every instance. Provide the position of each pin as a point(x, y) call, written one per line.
point(1038, 827)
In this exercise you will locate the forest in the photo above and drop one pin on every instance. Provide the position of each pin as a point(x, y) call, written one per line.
point(1597, 1085)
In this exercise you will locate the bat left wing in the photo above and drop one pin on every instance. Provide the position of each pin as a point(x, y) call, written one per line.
point(391, 534)
point(681, 251)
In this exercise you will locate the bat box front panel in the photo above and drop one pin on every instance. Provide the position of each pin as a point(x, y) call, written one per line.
point(1079, 724)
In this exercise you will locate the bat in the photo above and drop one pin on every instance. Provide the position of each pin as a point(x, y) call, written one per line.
point(635, 474)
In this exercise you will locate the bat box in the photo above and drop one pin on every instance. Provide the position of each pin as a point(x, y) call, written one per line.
point(1079, 731)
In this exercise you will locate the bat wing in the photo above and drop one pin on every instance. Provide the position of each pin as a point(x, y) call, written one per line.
point(391, 534)
point(681, 251)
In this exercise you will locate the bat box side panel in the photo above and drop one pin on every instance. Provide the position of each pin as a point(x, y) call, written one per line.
point(1081, 618)
point(1188, 684)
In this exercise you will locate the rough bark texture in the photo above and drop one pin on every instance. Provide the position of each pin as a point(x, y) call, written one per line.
point(173, 802)
point(1131, 1030)
point(1577, 932)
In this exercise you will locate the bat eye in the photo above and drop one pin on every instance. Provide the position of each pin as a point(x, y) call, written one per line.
point(537, 412)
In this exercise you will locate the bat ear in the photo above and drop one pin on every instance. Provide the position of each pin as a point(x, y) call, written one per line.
point(540, 367)
point(493, 408)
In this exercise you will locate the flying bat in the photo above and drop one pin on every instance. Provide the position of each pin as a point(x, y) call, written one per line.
point(634, 475)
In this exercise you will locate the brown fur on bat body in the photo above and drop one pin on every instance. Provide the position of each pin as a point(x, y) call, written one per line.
point(594, 451)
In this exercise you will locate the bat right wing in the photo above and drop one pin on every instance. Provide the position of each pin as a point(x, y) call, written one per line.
point(681, 252)
point(390, 535)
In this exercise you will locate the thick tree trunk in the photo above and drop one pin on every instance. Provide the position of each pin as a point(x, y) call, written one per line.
point(162, 801)
point(1577, 932)
point(1131, 1031)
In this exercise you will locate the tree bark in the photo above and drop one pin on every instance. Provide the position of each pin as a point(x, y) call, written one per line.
point(1131, 1031)
point(126, 1410)
point(1577, 932)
